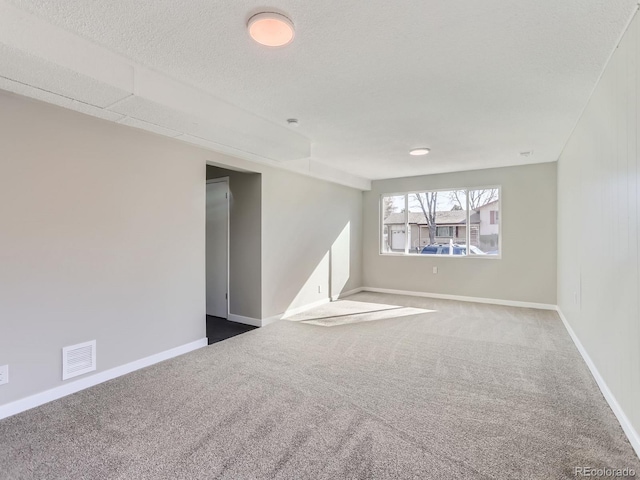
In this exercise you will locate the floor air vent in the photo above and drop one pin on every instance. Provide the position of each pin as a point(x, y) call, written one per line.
point(78, 359)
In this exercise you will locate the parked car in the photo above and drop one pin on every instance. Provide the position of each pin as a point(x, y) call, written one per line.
point(446, 249)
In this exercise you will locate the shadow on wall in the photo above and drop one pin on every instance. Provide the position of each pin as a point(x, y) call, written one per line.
point(316, 259)
point(331, 274)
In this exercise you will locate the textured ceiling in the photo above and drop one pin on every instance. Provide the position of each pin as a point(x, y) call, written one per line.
point(478, 82)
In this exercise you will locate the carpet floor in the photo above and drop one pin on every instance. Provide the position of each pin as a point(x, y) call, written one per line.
point(371, 387)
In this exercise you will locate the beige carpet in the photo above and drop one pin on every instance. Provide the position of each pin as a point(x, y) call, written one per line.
point(374, 387)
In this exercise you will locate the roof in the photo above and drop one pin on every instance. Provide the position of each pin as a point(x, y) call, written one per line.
point(452, 217)
point(487, 204)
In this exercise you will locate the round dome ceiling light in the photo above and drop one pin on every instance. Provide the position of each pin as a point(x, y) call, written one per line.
point(271, 29)
point(419, 151)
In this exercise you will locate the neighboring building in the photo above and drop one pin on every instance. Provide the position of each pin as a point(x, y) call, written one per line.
point(489, 226)
point(490, 218)
point(450, 226)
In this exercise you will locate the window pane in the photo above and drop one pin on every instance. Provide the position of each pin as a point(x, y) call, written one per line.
point(437, 218)
point(419, 222)
point(444, 222)
point(485, 221)
point(393, 227)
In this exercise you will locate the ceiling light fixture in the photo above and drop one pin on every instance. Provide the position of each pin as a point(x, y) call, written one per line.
point(419, 151)
point(271, 29)
point(292, 122)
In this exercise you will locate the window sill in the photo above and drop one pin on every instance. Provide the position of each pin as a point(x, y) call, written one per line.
point(418, 255)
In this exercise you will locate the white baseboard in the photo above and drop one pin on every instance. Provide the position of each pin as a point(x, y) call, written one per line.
point(493, 301)
point(268, 320)
point(294, 311)
point(256, 322)
point(626, 425)
point(346, 294)
point(72, 387)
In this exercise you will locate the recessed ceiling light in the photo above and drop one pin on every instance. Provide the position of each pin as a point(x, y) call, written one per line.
point(419, 151)
point(271, 29)
point(293, 122)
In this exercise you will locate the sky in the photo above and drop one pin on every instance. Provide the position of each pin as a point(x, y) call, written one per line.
point(444, 202)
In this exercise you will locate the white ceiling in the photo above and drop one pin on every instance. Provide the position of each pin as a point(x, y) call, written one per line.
point(477, 82)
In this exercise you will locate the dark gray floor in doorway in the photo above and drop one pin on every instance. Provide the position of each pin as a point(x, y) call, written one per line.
point(219, 329)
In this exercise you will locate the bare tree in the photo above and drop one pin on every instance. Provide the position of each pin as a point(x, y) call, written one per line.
point(428, 202)
point(477, 198)
point(387, 207)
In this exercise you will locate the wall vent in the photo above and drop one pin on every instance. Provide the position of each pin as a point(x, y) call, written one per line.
point(78, 359)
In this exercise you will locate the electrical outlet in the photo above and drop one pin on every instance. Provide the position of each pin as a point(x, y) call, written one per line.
point(435, 269)
point(319, 288)
point(4, 374)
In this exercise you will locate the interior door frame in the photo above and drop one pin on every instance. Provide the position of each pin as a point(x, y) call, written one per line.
point(226, 180)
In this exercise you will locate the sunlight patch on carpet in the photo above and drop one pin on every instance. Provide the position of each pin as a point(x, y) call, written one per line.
point(345, 312)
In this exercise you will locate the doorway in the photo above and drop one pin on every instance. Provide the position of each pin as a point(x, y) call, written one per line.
point(233, 252)
point(217, 248)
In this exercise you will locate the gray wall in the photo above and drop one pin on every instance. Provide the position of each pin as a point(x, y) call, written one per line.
point(598, 222)
point(245, 253)
point(101, 237)
point(527, 270)
point(311, 234)
point(312, 237)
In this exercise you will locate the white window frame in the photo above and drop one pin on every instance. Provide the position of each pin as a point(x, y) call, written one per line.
point(467, 224)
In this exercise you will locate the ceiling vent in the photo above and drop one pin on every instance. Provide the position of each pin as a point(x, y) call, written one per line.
point(78, 359)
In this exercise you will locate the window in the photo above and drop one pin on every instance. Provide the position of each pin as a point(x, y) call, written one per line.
point(442, 222)
point(444, 231)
